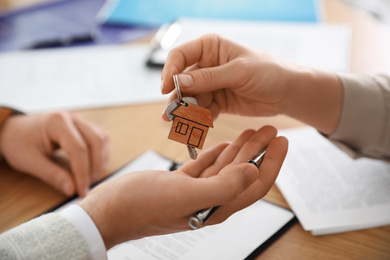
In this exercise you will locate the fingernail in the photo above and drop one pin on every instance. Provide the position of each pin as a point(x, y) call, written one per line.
point(162, 85)
point(66, 188)
point(185, 80)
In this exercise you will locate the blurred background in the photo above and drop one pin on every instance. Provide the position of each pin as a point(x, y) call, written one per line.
point(72, 54)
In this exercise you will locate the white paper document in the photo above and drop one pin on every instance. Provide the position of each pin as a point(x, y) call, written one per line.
point(329, 191)
point(75, 78)
point(236, 238)
point(312, 44)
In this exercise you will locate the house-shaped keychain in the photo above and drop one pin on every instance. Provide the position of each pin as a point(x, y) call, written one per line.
point(190, 125)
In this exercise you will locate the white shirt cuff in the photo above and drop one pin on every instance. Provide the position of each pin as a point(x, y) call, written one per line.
point(88, 230)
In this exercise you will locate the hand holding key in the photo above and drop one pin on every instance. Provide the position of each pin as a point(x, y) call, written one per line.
point(190, 121)
point(226, 77)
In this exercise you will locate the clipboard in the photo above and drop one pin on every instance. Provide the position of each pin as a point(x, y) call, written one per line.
point(251, 247)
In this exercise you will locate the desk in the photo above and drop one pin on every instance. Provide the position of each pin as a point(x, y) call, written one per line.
point(23, 197)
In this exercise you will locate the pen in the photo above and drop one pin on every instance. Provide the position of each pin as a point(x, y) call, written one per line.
point(198, 220)
point(64, 40)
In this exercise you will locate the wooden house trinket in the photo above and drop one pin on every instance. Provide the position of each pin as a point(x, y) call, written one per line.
point(190, 125)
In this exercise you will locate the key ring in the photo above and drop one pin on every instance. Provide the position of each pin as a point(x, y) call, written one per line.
point(177, 87)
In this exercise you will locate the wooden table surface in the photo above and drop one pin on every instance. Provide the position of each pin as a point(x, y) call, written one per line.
point(23, 197)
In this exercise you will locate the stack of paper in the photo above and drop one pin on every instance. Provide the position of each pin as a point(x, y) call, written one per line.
point(329, 191)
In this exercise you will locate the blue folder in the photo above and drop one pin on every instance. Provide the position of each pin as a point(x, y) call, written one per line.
point(157, 12)
point(65, 18)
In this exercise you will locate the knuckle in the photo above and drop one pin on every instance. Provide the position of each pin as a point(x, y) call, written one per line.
point(245, 64)
point(80, 148)
point(248, 132)
point(270, 128)
point(211, 37)
point(257, 140)
point(242, 62)
point(56, 123)
point(207, 75)
point(104, 137)
point(101, 139)
point(60, 116)
point(210, 50)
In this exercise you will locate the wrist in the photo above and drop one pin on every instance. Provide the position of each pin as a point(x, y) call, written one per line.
point(5, 113)
point(314, 97)
point(102, 211)
point(95, 214)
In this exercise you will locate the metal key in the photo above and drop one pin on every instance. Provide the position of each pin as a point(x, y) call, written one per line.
point(192, 152)
point(174, 105)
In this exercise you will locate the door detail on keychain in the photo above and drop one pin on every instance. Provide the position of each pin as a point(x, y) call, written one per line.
point(190, 126)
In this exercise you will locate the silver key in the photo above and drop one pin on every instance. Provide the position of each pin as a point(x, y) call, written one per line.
point(192, 152)
point(171, 107)
point(175, 104)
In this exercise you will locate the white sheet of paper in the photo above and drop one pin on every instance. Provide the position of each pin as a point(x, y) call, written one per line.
point(312, 44)
point(236, 238)
point(329, 191)
point(74, 78)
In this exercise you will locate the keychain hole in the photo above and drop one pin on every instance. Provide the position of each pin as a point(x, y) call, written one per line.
point(183, 103)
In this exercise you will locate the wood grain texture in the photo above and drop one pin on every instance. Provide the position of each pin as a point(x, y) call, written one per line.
point(190, 125)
